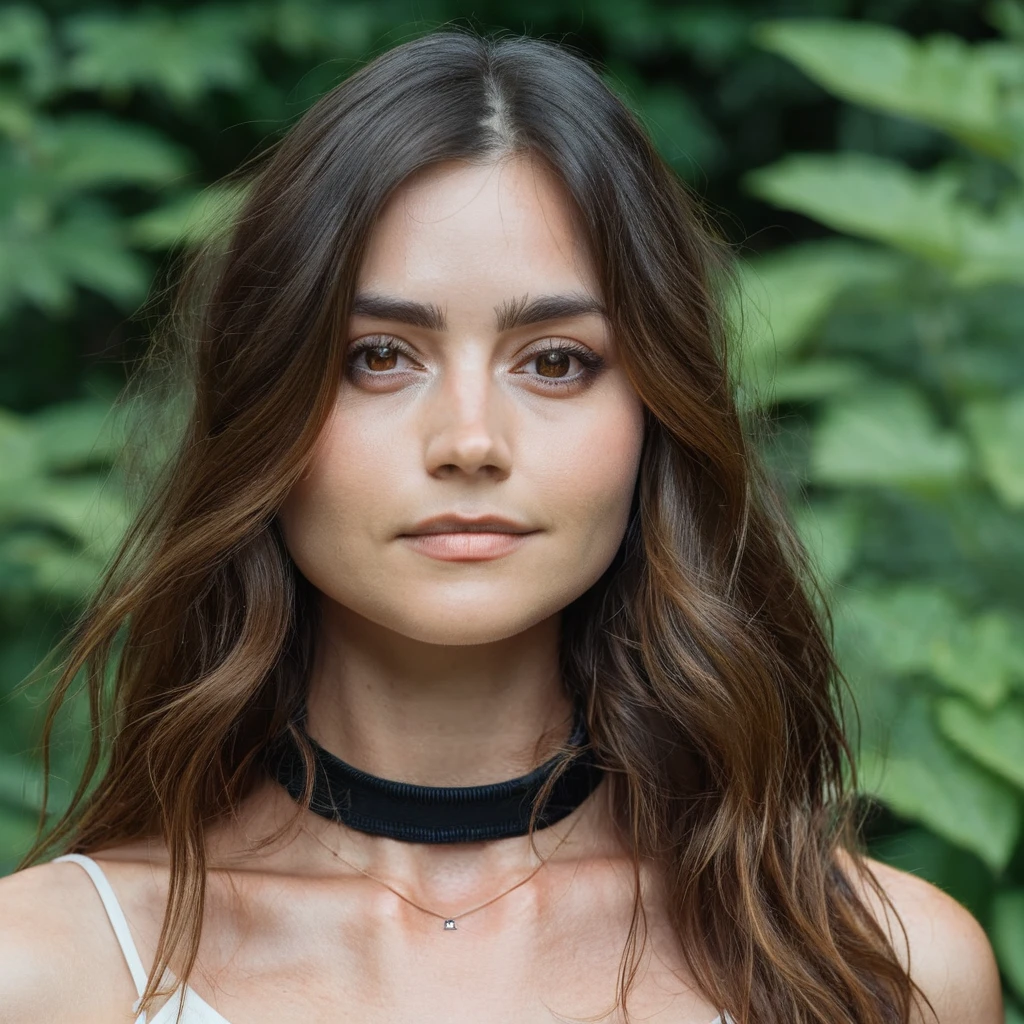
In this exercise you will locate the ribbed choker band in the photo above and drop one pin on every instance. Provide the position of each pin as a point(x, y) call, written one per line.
point(435, 814)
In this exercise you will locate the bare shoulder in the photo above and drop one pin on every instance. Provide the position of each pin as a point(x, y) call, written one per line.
point(947, 950)
point(55, 942)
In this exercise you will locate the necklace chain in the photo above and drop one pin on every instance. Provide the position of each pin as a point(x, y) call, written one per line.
point(449, 921)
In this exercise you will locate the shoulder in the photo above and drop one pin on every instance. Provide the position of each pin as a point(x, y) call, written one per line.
point(54, 944)
point(947, 951)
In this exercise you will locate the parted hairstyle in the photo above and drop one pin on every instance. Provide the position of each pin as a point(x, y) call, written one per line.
point(702, 655)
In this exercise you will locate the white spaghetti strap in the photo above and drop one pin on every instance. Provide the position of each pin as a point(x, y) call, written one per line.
point(117, 918)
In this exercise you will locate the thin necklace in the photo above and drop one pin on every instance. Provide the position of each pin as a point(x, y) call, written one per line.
point(449, 921)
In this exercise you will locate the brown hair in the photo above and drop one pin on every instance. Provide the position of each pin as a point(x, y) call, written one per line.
point(701, 655)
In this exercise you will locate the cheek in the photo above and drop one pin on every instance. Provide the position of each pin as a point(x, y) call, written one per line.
point(578, 476)
point(342, 492)
point(592, 472)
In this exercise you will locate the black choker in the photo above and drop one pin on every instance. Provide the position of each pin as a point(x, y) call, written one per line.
point(434, 814)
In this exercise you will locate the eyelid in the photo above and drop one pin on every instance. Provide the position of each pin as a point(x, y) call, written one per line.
point(371, 341)
point(553, 342)
point(592, 362)
point(368, 343)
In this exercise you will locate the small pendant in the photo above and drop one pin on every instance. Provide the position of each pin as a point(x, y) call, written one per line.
point(449, 925)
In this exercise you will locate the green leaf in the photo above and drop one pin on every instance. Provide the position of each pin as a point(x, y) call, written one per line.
point(817, 379)
point(899, 628)
point(25, 40)
point(920, 213)
point(916, 629)
point(188, 218)
point(996, 427)
point(303, 28)
point(42, 264)
point(1008, 17)
point(680, 131)
point(34, 274)
point(181, 55)
point(941, 81)
point(829, 531)
point(17, 831)
point(994, 738)
point(28, 196)
point(924, 778)
point(17, 118)
point(981, 657)
point(85, 508)
point(21, 786)
point(868, 196)
point(1008, 936)
point(36, 565)
point(783, 297)
point(77, 433)
point(20, 457)
point(886, 436)
point(92, 253)
point(24, 33)
point(711, 35)
point(90, 150)
point(991, 243)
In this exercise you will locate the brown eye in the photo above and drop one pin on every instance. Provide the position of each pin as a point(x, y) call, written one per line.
point(381, 358)
point(376, 356)
point(554, 363)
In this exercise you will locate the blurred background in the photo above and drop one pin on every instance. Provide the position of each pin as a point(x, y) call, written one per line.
point(866, 159)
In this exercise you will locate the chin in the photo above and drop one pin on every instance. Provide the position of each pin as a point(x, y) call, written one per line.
point(466, 633)
point(464, 624)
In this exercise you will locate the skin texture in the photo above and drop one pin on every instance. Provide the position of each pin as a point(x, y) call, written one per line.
point(420, 658)
point(439, 673)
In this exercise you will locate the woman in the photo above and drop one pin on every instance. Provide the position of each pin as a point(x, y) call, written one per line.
point(463, 607)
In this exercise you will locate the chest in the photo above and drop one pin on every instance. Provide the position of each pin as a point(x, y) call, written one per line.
point(358, 953)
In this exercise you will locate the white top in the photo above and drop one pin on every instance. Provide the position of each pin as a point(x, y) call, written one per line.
point(197, 1010)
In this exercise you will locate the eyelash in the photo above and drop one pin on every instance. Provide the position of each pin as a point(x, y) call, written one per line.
point(591, 361)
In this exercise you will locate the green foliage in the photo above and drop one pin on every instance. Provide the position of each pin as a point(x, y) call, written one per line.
point(1008, 935)
point(922, 214)
point(785, 296)
point(925, 778)
point(885, 434)
point(184, 55)
point(923, 442)
point(972, 92)
point(996, 427)
point(60, 515)
point(994, 738)
point(889, 351)
point(62, 512)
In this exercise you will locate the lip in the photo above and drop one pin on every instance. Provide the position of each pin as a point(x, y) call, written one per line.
point(451, 537)
point(454, 523)
point(466, 545)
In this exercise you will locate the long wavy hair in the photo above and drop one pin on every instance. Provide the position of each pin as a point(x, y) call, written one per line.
point(703, 654)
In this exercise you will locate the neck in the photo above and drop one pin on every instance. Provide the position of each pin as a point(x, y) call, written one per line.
point(435, 715)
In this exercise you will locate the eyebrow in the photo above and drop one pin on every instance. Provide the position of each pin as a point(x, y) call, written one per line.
point(508, 316)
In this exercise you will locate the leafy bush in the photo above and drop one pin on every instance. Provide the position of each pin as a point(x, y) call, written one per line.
point(889, 351)
point(896, 357)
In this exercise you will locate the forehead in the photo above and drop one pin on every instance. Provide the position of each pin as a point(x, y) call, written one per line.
point(472, 230)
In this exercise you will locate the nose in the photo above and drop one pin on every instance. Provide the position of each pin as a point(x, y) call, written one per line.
point(468, 419)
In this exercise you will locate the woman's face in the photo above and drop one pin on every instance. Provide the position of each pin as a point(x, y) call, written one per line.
point(451, 404)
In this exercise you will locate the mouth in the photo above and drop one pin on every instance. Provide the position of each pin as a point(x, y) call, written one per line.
point(467, 524)
point(462, 545)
